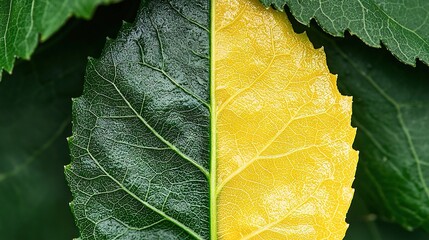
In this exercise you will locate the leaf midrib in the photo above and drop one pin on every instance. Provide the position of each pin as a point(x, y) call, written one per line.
point(5, 33)
point(213, 136)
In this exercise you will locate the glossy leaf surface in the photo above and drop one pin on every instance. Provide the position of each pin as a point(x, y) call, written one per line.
point(140, 145)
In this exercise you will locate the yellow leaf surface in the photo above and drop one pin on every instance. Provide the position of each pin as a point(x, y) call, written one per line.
point(285, 164)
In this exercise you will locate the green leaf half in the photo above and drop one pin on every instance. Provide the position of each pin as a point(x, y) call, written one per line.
point(141, 148)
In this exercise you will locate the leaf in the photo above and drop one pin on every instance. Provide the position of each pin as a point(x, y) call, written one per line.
point(400, 25)
point(22, 21)
point(390, 111)
point(34, 122)
point(150, 158)
point(364, 224)
point(285, 162)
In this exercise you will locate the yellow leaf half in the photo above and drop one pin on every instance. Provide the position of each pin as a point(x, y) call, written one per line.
point(285, 164)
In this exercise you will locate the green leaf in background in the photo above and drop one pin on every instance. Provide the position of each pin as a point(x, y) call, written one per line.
point(141, 136)
point(365, 225)
point(34, 123)
point(390, 110)
point(22, 21)
point(402, 26)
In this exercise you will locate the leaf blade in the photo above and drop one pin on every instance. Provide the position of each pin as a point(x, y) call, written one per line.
point(149, 129)
point(115, 120)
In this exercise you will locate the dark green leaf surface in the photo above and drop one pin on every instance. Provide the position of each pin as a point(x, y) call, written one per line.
point(365, 225)
point(22, 21)
point(34, 123)
point(140, 145)
point(390, 110)
point(402, 26)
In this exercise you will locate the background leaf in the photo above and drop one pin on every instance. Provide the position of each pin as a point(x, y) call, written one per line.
point(22, 21)
point(140, 145)
point(365, 225)
point(391, 113)
point(34, 122)
point(402, 26)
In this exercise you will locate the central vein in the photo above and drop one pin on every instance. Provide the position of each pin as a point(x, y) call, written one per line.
point(213, 163)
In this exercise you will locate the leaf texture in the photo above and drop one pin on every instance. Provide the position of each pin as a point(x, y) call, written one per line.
point(22, 21)
point(140, 145)
point(155, 144)
point(402, 26)
point(390, 111)
point(285, 161)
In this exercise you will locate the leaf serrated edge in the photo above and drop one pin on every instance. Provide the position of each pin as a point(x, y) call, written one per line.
point(378, 44)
